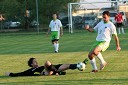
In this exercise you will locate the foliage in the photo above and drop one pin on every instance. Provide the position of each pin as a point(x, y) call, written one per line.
point(11, 8)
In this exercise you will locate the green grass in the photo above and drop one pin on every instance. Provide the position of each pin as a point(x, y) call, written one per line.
point(16, 49)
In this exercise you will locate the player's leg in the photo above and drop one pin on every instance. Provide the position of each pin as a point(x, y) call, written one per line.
point(55, 39)
point(56, 46)
point(121, 25)
point(63, 67)
point(95, 51)
point(103, 62)
point(92, 55)
point(67, 66)
point(57, 36)
point(53, 34)
point(118, 27)
point(100, 57)
point(103, 46)
point(122, 30)
point(49, 68)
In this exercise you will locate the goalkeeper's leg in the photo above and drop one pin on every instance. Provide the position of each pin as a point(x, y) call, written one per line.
point(67, 66)
point(49, 68)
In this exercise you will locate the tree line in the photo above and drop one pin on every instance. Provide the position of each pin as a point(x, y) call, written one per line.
point(11, 8)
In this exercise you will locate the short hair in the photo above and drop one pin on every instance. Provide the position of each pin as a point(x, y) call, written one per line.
point(106, 12)
point(55, 14)
point(30, 61)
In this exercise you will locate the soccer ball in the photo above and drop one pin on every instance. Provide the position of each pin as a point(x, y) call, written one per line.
point(81, 66)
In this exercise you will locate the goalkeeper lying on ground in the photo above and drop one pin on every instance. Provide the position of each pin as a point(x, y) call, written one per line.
point(47, 69)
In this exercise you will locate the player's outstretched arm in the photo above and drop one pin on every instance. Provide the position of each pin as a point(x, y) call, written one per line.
point(88, 28)
point(29, 72)
point(118, 48)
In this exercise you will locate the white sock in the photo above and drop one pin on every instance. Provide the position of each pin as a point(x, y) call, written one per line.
point(100, 57)
point(119, 30)
point(93, 63)
point(123, 30)
point(57, 47)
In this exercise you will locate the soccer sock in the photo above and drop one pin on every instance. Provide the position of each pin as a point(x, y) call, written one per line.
point(73, 66)
point(119, 30)
point(62, 73)
point(93, 63)
point(100, 57)
point(85, 61)
point(123, 30)
point(57, 47)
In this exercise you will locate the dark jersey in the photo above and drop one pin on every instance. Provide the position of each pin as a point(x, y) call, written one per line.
point(29, 72)
point(35, 71)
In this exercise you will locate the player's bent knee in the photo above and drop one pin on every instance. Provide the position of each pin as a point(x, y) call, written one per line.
point(47, 63)
point(90, 55)
point(96, 52)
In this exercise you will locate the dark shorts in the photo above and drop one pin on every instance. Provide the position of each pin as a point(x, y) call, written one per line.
point(57, 67)
point(55, 40)
point(119, 24)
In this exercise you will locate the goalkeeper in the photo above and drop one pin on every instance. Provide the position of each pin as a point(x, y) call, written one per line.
point(47, 69)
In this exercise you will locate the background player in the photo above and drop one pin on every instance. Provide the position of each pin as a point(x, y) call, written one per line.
point(119, 22)
point(55, 27)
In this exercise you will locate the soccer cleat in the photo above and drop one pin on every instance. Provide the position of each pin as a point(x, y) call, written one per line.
point(94, 71)
point(102, 66)
point(85, 61)
point(56, 51)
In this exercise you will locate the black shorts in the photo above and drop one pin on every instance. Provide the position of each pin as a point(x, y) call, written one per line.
point(55, 40)
point(119, 24)
point(57, 67)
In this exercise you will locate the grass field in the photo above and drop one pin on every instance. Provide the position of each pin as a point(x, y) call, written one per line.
point(16, 49)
